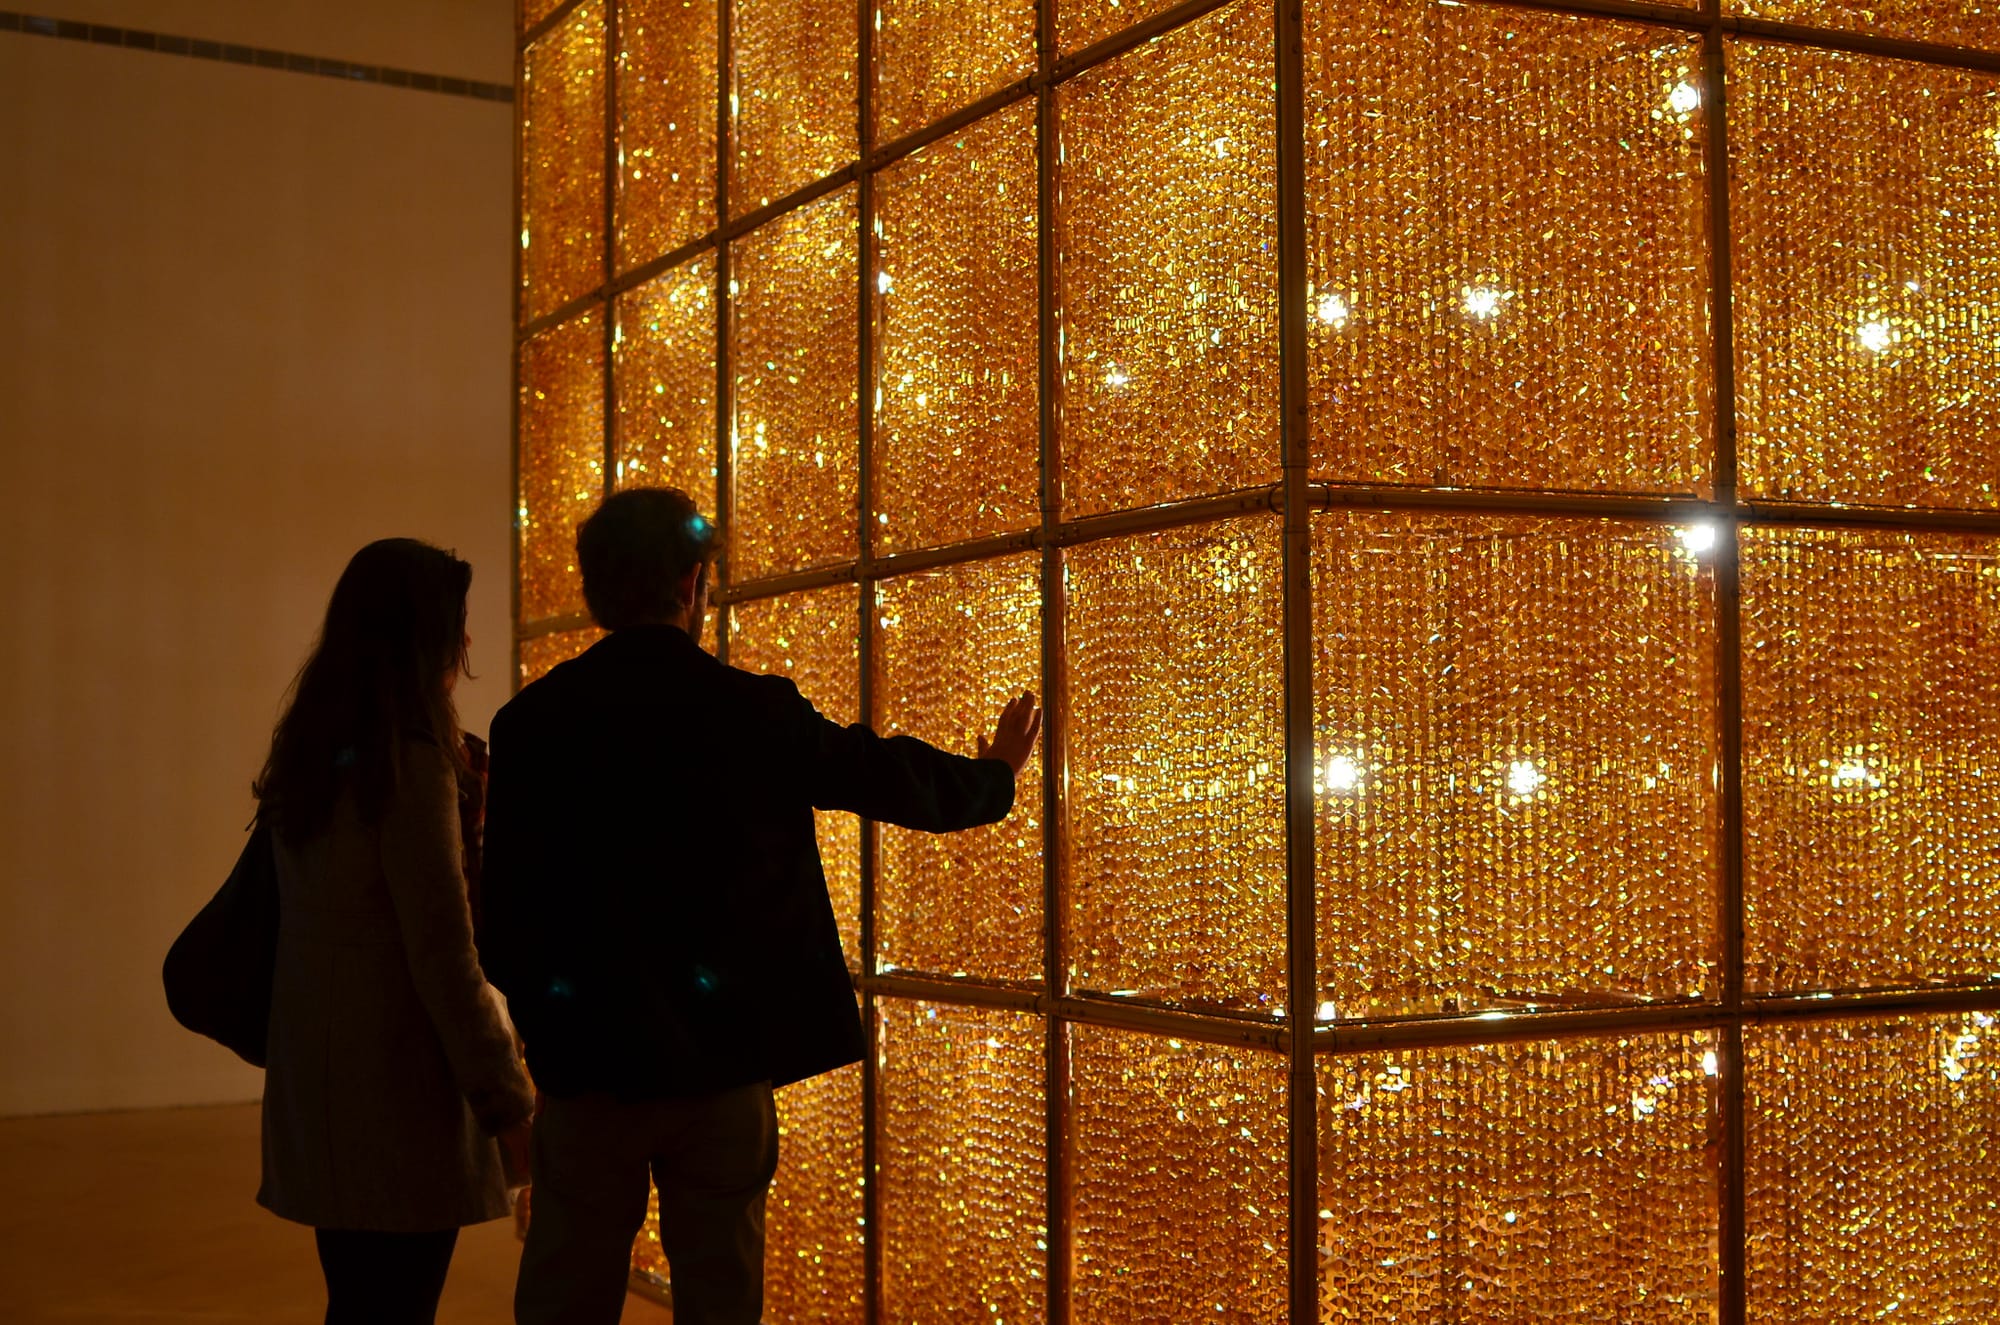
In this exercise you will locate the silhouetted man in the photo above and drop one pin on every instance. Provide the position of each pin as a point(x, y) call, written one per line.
point(656, 914)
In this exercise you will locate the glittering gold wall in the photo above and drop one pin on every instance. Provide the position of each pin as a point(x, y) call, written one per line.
point(1504, 506)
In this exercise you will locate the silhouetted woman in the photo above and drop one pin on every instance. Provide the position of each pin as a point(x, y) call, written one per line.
point(392, 1068)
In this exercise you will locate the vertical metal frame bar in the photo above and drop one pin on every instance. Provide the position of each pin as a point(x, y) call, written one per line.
point(1055, 721)
point(1732, 1235)
point(864, 502)
point(1295, 440)
point(610, 245)
point(725, 311)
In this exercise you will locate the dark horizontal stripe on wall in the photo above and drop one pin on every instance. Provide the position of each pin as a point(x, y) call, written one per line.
point(38, 25)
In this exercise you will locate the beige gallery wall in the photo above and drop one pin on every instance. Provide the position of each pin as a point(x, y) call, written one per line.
point(249, 320)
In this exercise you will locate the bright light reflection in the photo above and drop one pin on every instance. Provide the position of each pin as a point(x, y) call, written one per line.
point(1709, 1064)
point(1483, 301)
point(883, 282)
point(1855, 773)
point(1698, 538)
point(1684, 98)
point(1877, 335)
point(1332, 310)
point(1327, 1011)
point(1343, 773)
point(1523, 778)
point(1116, 377)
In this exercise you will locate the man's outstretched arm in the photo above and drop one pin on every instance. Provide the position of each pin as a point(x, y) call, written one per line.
point(905, 781)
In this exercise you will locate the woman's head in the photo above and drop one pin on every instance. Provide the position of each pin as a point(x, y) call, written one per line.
point(379, 675)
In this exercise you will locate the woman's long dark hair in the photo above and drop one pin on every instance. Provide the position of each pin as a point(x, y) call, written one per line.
point(376, 679)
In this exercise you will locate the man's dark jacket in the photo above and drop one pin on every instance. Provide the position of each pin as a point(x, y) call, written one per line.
point(655, 910)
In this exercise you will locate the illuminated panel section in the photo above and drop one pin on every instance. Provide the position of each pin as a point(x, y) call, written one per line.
point(795, 443)
point(794, 97)
point(1081, 22)
point(1863, 199)
point(1488, 1183)
point(561, 460)
point(1166, 253)
point(1946, 22)
point(543, 652)
point(960, 1110)
point(1178, 1181)
point(1507, 250)
point(956, 309)
point(663, 371)
point(810, 639)
point(813, 1216)
point(1870, 1190)
point(666, 125)
point(1174, 858)
point(1871, 712)
point(534, 11)
point(562, 163)
point(1516, 744)
point(952, 647)
point(934, 56)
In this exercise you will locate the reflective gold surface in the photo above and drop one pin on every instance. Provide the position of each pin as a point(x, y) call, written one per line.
point(663, 370)
point(934, 56)
point(1947, 22)
point(1173, 861)
point(666, 125)
point(811, 639)
point(794, 97)
point(960, 1111)
point(1167, 266)
point(1552, 1179)
point(951, 648)
point(1177, 1202)
point(1081, 22)
point(561, 460)
point(955, 301)
point(562, 163)
point(795, 448)
point(1863, 199)
point(813, 1216)
point(1871, 713)
point(1507, 250)
point(1516, 763)
point(1871, 1192)
point(541, 652)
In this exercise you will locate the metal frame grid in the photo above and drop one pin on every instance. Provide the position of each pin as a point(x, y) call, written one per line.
point(1293, 500)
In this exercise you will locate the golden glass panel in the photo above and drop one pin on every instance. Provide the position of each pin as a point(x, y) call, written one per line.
point(1946, 22)
point(794, 97)
point(534, 11)
point(649, 1259)
point(542, 652)
point(1870, 1187)
point(795, 444)
point(561, 460)
point(813, 1217)
point(1178, 1158)
point(1082, 22)
point(562, 163)
point(956, 311)
point(1493, 1182)
point(1515, 763)
point(1863, 198)
point(952, 646)
point(1871, 711)
point(933, 57)
point(663, 375)
point(1167, 260)
point(1174, 858)
point(1507, 250)
point(811, 639)
point(960, 1146)
point(666, 125)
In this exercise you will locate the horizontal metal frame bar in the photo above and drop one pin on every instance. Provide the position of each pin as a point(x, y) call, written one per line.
point(1334, 497)
point(1364, 1035)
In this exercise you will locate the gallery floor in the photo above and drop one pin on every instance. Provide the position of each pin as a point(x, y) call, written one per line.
point(149, 1216)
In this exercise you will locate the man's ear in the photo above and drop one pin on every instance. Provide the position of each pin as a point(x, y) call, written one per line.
point(688, 587)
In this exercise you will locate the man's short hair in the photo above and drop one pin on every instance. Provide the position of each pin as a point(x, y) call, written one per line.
point(635, 548)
